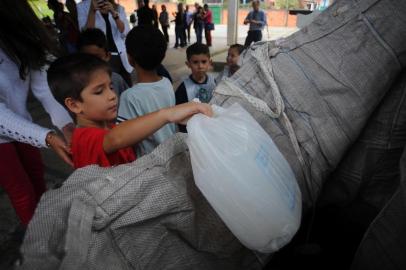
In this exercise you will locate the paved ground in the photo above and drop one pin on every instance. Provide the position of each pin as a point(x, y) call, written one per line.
point(56, 171)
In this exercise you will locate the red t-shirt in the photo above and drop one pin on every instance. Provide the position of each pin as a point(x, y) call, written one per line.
point(87, 149)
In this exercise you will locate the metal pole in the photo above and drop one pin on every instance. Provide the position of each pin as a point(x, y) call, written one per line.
point(232, 22)
point(287, 12)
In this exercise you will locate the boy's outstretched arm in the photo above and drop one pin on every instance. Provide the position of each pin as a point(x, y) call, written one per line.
point(130, 132)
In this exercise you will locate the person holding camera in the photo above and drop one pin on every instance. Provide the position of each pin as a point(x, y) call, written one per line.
point(111, 19)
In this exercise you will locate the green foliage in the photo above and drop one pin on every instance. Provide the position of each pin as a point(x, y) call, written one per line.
point(290, 4)
point(40, 8)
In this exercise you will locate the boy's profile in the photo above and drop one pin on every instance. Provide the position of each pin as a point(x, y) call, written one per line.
point(199, 84)
point(93, 41)
point(82, 83)
point(232, 66)
point(146, 48)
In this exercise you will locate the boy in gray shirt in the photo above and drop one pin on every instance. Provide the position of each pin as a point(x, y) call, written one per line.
point(146, 47)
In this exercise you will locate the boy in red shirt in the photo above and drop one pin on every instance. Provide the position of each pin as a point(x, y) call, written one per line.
point(82, 83)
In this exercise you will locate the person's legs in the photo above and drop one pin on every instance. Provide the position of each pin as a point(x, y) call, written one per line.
point(177, 36)
point(165, 30)
point(257, 35)
point(24, 186)
point(183, 37)
point(248, 39)
point(199, 33)
point(207, 35)
point(188, 33)
point(31, 160)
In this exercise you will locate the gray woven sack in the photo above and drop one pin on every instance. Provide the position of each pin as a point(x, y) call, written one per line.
point(314, 91)
point(144, 215)
point(384, 243)
point(369, 172)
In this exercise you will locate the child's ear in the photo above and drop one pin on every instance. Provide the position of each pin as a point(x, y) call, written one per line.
point(130, 60)
point(187, 64)
point(73, 105)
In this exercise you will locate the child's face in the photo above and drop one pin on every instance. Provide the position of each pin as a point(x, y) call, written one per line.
point(96, 51)
point(199, 64)
point(232, 57)
point(99, 101)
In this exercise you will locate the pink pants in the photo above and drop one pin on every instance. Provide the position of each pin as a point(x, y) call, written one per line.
point(22, 177)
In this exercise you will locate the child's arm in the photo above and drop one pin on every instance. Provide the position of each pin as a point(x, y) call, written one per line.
point(130, 132)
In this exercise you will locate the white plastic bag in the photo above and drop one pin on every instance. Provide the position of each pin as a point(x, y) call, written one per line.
point(245, 178)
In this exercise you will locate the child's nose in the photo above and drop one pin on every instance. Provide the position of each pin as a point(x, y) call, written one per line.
point(112, 94)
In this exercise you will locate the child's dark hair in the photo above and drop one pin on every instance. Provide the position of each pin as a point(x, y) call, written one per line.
point(197, 48)
point(237, 46)
point(146, 45)
point(92, 36)
point(70, 74)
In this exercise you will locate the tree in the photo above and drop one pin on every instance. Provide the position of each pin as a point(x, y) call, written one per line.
point(287, 4)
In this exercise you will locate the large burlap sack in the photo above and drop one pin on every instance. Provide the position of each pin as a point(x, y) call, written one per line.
point(144, 215)
point(369, 172)
point(314, 91)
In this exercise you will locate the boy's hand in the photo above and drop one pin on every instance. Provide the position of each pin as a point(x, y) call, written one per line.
point(181, 113)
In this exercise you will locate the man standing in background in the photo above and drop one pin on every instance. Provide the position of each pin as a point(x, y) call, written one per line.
point(256, 18)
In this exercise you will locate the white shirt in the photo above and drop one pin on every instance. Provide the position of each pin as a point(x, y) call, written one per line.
point(15, 121)
point(119, 38)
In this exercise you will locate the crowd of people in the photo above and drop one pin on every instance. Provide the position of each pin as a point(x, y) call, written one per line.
point(183, 18)
point(102, 82)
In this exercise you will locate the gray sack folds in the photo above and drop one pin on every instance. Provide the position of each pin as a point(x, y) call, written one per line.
point(321, 84)
point(384, 243)
point(369, 172)
point(143, 215)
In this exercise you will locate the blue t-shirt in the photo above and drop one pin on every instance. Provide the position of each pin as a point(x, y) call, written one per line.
point(257, 16)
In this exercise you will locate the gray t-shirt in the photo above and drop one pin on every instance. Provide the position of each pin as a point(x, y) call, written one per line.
point(144, 98)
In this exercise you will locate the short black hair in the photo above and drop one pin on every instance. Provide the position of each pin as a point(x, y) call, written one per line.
point(240, 48)
point(197, 48)
point(147, 46)
point(92, 36)
point(70, 74)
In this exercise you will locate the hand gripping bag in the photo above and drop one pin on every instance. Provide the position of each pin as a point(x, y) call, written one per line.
point(245, 178)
